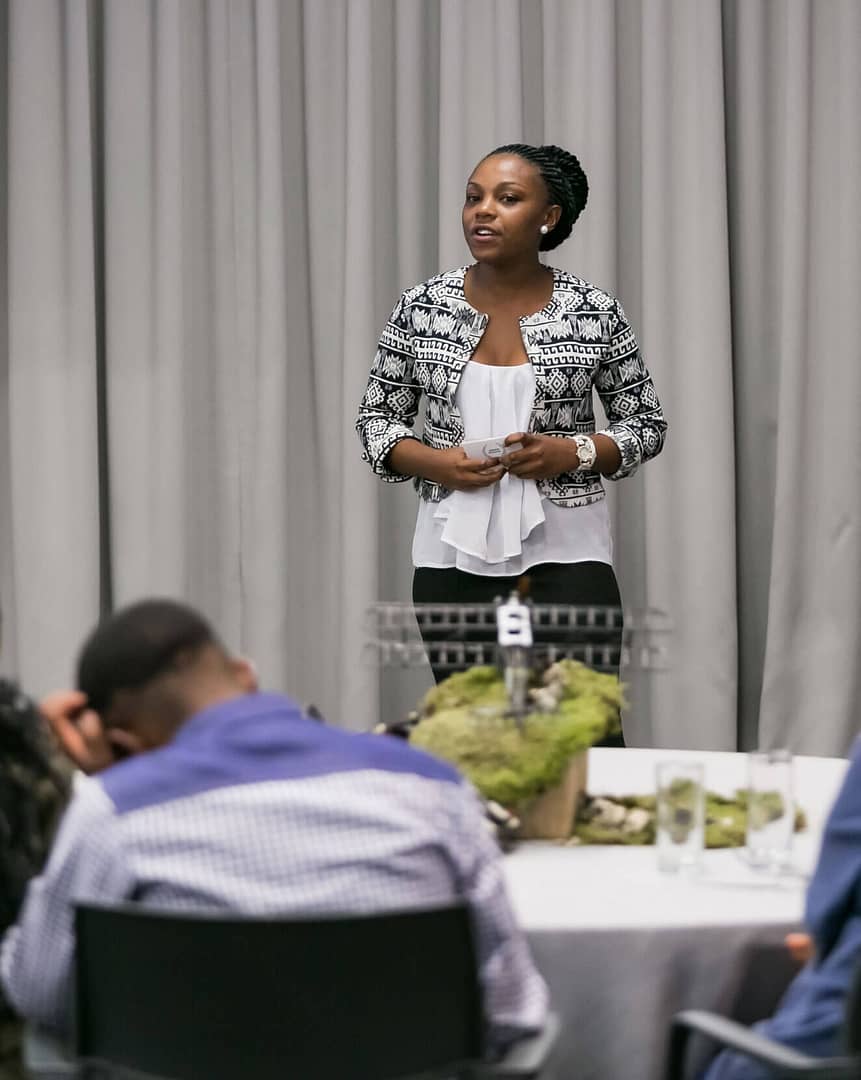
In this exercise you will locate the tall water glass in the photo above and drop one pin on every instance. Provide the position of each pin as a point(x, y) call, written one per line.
point(679, 815)
point(770, 809)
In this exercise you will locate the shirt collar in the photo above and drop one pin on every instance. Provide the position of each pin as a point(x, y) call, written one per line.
point(242, 707)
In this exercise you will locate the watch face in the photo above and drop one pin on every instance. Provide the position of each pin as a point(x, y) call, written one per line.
point(586, 452)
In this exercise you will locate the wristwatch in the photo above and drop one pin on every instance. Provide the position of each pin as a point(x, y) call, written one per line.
point(586, 452)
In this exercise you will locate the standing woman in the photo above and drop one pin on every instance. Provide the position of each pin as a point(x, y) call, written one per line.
point(509, 347)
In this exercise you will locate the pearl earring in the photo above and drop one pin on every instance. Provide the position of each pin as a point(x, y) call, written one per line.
point(544, 230)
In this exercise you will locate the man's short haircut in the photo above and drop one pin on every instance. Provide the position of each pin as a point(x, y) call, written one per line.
point(137, 644)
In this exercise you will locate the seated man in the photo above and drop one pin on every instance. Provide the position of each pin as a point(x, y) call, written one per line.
point(208, 794)
point(33, 791)
point(810, 1016)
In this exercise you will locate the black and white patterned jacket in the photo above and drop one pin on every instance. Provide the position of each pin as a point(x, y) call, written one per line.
point(580, 340)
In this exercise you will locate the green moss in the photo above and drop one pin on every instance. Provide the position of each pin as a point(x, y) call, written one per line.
point(478, 684)
point(588, 832)
point(725, 822)
point(465, 720)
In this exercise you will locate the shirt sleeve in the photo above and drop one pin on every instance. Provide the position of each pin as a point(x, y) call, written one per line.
point(37, 953)
point(515, 995)
point(635, 420)
point(391, 400)
point(811, 1014)
point(834, 894)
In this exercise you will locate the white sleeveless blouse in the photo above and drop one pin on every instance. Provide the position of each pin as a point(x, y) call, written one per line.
point(505, 528)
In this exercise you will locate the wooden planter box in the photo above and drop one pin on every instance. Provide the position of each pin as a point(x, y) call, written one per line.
point(551, 815)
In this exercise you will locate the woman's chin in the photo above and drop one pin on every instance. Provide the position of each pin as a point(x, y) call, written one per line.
point(481, 254)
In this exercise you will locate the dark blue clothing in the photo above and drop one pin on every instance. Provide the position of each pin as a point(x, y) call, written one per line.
point(810, 1016)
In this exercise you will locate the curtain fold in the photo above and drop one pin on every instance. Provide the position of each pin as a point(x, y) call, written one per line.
point(811, 670)
point(7, 591)
point(50, 420)
point(209, 208)
point(640, 99)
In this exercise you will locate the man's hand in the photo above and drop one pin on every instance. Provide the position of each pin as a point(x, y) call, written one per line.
point(542, 456)
point(79, 730)
point(457, 472)
point(800, 947)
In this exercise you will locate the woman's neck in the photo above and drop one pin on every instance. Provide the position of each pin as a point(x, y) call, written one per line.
point(521, 290)
point(507, 279)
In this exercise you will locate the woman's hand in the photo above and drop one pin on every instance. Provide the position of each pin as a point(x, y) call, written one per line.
point(457, 472)
point(451, 467)
point(542, 456)
point(546, 456)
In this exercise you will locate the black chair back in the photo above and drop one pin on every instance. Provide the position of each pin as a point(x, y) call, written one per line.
point(196, 997)
point(852, 1019)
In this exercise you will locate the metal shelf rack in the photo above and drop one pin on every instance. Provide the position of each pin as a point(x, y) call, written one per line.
point(461, 635)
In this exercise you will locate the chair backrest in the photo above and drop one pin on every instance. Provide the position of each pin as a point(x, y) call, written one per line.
point(199, 997)
point(851, 1034)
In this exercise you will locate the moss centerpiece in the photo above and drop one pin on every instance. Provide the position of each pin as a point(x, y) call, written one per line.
point(515, 761)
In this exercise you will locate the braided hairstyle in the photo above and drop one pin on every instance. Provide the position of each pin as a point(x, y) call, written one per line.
point(564, 179)
point(33, 790)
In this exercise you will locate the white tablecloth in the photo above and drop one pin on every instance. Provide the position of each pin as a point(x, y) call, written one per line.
point(624, 946)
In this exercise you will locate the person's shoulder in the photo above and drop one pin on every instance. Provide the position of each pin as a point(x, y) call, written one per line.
point(90, 796)
point(437, 290)
point(388, 753)
point(89, 815)
point(848, 801)
point(576, 292)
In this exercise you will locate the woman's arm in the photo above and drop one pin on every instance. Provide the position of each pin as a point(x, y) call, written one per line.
point(391, 400)
point(607, 455)
point(636, 421)
point(388, 411)
point(546, 456)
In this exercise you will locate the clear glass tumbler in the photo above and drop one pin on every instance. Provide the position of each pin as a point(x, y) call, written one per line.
point(680, 815)
point(770, 809)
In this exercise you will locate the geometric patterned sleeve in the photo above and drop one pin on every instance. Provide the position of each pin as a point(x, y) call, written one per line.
point(635, 420)
point(391, 401)
point(37, 954)
point(515, 995)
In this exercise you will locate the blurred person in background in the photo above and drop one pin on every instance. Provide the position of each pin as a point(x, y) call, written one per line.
point(34, 788)
point(811, 1014)
point(205, 793)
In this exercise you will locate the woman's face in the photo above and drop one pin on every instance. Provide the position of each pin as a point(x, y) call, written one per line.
point(506, 204)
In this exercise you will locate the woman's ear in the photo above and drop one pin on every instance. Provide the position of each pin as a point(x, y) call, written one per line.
point(245, 671)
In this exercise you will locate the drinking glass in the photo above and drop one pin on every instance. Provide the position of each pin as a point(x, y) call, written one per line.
point(770, 809)
point(679, 816)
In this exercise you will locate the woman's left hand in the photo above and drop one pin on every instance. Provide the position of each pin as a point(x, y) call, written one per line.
point(541, 456)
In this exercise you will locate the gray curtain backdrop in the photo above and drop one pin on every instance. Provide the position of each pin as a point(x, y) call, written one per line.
point(207, 209)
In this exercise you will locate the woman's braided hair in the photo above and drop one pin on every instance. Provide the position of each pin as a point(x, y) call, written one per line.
point(565, 180)
point(33, 790)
